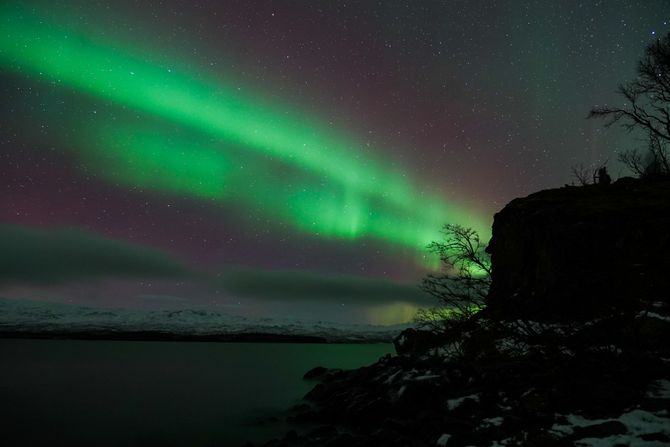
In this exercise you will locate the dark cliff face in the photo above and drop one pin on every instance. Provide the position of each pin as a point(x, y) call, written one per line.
point(574, 252)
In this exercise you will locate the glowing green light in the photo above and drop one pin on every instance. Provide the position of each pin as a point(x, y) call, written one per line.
point(337, 189)
point(141, 156)
point(151, 161)
point(28, 44)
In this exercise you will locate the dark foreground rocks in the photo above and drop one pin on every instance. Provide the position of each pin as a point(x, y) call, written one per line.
point(533, 399)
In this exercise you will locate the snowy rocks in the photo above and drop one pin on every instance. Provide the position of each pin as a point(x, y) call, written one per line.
point(413, 341)
point(431, 400)
point(601, 430)
point(633, 427)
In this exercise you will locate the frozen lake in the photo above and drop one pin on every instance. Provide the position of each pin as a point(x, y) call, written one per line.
point(128, 393)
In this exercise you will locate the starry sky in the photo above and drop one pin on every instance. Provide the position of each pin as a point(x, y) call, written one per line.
point(288, 158)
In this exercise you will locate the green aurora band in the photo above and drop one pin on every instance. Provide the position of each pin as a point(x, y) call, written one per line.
point(228, 146)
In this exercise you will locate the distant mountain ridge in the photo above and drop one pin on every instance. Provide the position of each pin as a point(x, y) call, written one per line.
point(26, 318)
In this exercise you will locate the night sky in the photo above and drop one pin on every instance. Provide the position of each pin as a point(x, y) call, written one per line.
point(288, 158)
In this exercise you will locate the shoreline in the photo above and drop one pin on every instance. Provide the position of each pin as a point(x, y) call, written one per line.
point(158, 336)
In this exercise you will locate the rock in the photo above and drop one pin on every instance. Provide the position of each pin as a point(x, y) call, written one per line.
point(415, 341)
point(458, 426)
point(603, 430)
point(315, 373)
point(341, 440)
point(323, 432)
point(302, 414)
point(368, 410)
point(291, 436)
point(570, 253)
point(264, 420)
point(656, 437)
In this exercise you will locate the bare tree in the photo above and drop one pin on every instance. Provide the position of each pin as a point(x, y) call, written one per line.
point(464, 281)
point(655, 162)
point(582, 174)
point(591, 176)
point(658, 162)
point(647, 107)
point(634, 161)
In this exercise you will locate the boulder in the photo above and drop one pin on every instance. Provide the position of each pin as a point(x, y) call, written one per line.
point(416, 341)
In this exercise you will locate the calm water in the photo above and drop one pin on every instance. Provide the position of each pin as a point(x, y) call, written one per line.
point(124, 393)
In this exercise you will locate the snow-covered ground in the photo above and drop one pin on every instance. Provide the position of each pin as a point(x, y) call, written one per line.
point(639, 427)
point(56, 318)
point(635, 427)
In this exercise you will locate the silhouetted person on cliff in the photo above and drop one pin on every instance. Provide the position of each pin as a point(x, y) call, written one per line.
point(603, 178)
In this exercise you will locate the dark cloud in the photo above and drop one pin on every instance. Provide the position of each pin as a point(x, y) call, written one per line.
point(295, 285)
point(50, 256)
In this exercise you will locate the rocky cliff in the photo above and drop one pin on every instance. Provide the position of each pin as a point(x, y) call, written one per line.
point(574, 252)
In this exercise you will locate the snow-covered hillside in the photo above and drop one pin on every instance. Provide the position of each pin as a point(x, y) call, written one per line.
point(45, 318)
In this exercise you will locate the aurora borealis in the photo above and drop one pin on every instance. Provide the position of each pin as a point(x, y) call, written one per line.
point(356, 194)
point(320, 139)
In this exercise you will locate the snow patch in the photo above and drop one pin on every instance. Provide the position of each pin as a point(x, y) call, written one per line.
point(657, 316)
point(637, 422)
point(640, 422)
point(442, 440)
point(389, 380)
point(660, 389)
point(447, 351)
point(575, 420)
point(452, 404)
point(427, 377)
point(495, 421)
